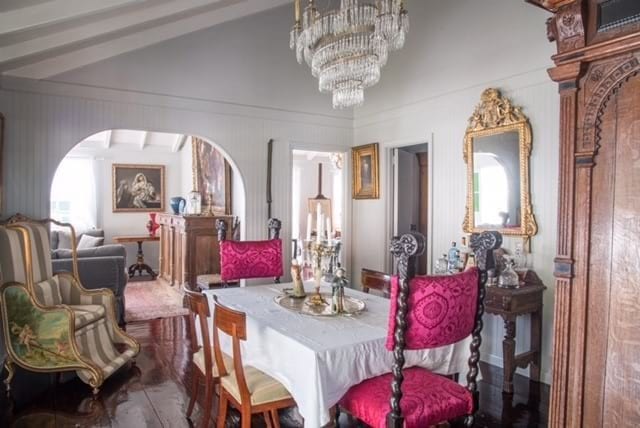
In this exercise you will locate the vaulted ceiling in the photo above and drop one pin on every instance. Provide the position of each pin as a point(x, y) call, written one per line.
point(43, 38)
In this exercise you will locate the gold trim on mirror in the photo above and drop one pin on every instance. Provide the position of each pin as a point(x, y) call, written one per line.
point(496, 115)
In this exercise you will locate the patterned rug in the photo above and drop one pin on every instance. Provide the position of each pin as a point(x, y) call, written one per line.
point(147, 300)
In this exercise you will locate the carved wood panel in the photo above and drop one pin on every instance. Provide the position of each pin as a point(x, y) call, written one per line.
point(596, 377)
point(622, 383)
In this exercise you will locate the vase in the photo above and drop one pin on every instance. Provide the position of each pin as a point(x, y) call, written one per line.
point(152, 226)
point(177, 204)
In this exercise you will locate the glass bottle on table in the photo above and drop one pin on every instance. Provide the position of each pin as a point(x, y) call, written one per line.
point(442, 264)
point(464, 254)
point(454, 257)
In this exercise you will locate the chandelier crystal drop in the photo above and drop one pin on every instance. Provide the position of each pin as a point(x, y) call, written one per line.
point(347, 47)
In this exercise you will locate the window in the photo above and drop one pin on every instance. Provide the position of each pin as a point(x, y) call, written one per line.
point(73, 193)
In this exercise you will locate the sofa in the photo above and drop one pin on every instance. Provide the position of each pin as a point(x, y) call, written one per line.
point(103, 266)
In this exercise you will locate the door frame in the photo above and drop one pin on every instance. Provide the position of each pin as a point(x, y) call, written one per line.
point(346, 190)
point(390, 203)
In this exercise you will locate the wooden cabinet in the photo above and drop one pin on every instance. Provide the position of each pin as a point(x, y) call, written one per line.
point(596, 370)
point(189, 247)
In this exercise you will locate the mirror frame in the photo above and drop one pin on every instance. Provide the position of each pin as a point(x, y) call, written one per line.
point(496, 115)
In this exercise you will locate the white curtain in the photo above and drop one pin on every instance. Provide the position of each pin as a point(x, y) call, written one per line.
point(73, 193)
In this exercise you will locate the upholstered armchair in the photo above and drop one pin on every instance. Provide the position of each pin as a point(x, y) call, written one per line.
point(51, 323)
point(427, 312)
point(250, 259)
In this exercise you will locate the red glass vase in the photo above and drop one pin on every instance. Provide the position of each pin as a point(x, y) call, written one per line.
point(152, 226)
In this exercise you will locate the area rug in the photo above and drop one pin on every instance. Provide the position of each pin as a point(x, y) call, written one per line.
point(147, 300)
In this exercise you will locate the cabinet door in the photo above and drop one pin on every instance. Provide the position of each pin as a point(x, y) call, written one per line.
point(166, 232)
point(612, 372)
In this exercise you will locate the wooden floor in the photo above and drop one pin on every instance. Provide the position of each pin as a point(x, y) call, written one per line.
point(154, 393)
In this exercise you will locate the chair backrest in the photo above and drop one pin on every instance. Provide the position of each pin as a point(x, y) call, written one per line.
point(375, 280)
point(250, 259)
point(199, 308)
point(444, 309)
point(13, 256)
point(233, 323)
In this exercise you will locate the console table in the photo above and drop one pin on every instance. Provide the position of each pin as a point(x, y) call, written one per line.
point(510, 303)
point(139, 266)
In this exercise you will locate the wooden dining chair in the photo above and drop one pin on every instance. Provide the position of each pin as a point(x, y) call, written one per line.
point(244, 387)
point(374, 280)
point(427, 312)
point(204, 365)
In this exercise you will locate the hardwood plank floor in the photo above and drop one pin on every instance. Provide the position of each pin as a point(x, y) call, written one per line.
point(154, 393)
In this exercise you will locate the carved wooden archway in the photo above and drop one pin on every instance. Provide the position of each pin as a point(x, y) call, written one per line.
point(591, 67)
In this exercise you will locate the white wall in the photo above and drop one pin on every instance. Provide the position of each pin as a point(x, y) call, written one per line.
point(428, 91)
point(236, 85)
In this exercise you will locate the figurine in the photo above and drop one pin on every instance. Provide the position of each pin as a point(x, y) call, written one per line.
point(337, 291)
point(296, 275)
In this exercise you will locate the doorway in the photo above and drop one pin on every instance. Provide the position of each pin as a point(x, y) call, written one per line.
point(318, 191)
point(411, 194)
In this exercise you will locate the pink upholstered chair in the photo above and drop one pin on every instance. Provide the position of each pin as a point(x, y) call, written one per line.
point(427, 312)
point(250, 259)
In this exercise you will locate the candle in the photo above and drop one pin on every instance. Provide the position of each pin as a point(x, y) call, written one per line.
point(329, 233)
point(297, 11)
point(309, 225)
point(318, 222)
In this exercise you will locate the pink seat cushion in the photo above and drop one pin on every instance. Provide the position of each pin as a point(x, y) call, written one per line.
point(250, 259)
point(428, 399)
point(442, 309)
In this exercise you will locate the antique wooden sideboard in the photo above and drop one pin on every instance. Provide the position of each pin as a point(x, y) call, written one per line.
point(596, 369)
point(189, 247)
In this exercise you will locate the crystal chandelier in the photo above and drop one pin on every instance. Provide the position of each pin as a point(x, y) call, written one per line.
point(346, 48)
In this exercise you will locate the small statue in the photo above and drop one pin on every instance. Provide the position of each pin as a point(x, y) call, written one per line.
point(296, 275)
point(337, 291)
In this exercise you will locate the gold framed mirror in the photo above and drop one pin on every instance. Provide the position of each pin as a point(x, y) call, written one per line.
point(497, 148)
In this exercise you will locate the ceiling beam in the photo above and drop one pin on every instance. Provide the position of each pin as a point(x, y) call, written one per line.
point(47, 42)
point(144, 140)
point(179, 143)
point(53, 12)
point(107, 139)
point(51, 63)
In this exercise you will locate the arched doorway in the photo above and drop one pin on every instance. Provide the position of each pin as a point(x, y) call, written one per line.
point(110, 183)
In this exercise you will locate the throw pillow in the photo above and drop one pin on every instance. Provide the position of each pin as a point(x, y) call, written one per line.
point(64, 239)
point(87, 241)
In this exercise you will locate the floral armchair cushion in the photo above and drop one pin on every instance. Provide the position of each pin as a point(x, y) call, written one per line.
point(442, 309)
point(250, 259)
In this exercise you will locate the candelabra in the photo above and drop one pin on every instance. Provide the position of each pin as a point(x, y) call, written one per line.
point(322, 256)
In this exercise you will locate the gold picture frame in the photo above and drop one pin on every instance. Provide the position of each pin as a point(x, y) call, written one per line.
point(366, 177)
point(212, 177)
point(496, 119)
point(137, 188)
point(1, 161)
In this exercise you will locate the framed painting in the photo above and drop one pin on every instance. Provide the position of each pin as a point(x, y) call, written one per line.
point(366, 177)
point(1, 161)
point(211, 177)
point(137, 188)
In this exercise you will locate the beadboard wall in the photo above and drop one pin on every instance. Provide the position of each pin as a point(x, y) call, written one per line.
point(44, 120)
point(442, 122)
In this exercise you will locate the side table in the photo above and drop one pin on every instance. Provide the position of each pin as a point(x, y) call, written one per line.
point(139, 266)
point(510, 303)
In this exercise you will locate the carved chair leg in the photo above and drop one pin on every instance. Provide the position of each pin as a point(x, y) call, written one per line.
point(9, 366)
point(469, 421)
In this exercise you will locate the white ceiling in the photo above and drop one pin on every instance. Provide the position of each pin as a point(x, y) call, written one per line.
point(130, 140)
point(43, 38)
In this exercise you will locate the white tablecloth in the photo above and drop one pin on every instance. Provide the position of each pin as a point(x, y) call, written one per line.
point(318, 359)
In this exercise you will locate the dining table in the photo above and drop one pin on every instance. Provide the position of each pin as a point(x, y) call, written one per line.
point(318, 358)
